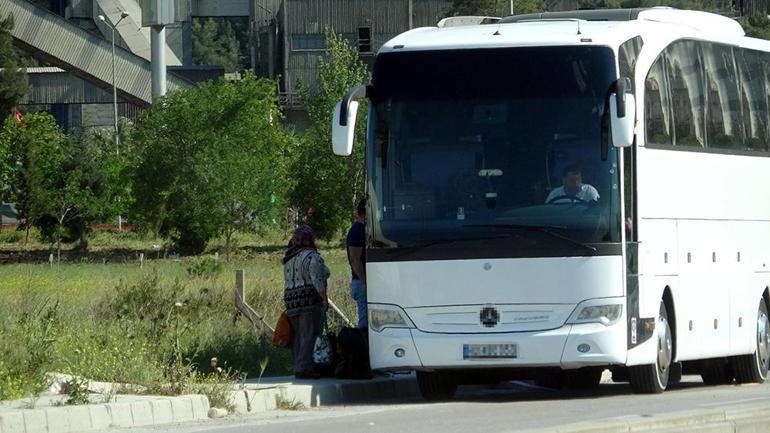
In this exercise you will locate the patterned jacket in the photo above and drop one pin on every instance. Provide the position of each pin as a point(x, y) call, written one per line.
point(305, 277)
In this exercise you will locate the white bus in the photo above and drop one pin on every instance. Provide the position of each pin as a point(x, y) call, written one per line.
point(558, 194)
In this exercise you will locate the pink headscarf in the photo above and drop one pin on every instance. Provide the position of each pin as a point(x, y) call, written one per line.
point(302, 239)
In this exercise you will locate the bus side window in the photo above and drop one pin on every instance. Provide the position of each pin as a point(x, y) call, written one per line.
point(724, 126)
point(753, 96)
point(685, 78)
point(627, 56)
point(656, 105)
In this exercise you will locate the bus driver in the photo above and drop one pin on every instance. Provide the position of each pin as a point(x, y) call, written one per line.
point(573, 189)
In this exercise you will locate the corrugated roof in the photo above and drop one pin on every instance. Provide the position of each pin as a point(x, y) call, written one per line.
point(44, 70)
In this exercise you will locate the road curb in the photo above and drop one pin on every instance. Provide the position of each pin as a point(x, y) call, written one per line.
point(71, 419)
point(752, 418)
point(323, 392)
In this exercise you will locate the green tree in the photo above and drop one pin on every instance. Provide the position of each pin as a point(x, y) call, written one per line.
point(61, 184)
point(13, 81)
point(756, 26)
point(13, 160)
point(210, 160)
point(329, 184)
point(494, 8)
point(8, 167)
point(215, 43)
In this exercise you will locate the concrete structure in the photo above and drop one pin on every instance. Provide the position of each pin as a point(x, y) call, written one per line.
point(58, 42)
point(74, 102)
point(286, 39)
point(366, 24)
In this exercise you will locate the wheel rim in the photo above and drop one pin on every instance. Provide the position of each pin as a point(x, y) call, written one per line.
point(763, 338)
point(665, 348)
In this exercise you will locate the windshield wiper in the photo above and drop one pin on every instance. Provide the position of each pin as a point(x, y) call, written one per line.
point(542, 229)
point(430, 243)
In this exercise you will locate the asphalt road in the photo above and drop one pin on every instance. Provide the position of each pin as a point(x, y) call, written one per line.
point(508, 407)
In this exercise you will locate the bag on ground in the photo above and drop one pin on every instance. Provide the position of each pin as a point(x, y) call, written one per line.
point(354, 354)
point(284, 334)
point(323, 352)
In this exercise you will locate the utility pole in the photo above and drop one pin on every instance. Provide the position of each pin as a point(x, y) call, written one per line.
point(116, 133)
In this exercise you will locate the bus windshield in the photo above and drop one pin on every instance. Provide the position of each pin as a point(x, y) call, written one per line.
point(469, 144)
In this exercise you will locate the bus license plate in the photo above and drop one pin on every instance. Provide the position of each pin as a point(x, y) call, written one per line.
point(489, 351)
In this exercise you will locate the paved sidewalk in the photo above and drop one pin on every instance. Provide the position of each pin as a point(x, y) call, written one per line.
point(48, 414)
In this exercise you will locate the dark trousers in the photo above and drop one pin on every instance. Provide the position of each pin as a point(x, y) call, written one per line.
point(307, 326)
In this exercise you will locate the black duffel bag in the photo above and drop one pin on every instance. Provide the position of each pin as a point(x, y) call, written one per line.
point(353, 346)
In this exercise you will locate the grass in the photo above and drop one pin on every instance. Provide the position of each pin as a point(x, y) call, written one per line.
point(282, 402)
point(156, 324)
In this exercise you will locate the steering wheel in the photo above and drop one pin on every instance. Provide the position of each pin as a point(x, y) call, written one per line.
point(572, 200)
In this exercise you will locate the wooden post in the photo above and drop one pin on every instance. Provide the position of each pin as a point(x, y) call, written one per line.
point(244, 308)
point(50, 259)
point(141, 260)
point(240, 285)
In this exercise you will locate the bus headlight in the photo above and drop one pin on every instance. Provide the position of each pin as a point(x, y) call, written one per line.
point(388, 316)
point(597, 311)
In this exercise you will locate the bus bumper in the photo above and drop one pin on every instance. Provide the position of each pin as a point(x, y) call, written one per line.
point(568, 347)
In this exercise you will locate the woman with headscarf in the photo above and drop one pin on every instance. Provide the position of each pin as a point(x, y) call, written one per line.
point(305, 275)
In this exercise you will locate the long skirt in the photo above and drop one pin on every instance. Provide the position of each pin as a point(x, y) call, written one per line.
point(307, 326)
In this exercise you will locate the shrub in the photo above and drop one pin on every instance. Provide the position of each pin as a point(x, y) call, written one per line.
point(26, 350)
point(107, 353)
point(206, 267)
point(11, 236)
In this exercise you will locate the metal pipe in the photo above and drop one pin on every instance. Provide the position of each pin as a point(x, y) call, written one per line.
point(115, 96)
point(158, 60)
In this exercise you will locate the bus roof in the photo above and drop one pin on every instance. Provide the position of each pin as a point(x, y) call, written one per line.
point(595, 27)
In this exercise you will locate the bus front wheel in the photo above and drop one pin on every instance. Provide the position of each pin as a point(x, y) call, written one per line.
point(653, 378)
point(436, 386)
point(753, 368)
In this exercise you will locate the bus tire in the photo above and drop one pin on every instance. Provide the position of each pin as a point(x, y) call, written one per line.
point(753, 368)
point(653, 378)
point(436, 386)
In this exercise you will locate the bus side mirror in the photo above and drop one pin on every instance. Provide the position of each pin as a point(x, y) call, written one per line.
point(343, 133)
point(622, 115)
point(344, 121)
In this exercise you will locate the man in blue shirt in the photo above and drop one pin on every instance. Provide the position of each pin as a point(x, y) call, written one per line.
point(356, 246)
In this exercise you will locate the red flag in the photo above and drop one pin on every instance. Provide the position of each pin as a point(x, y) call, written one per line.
point(17, 115)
